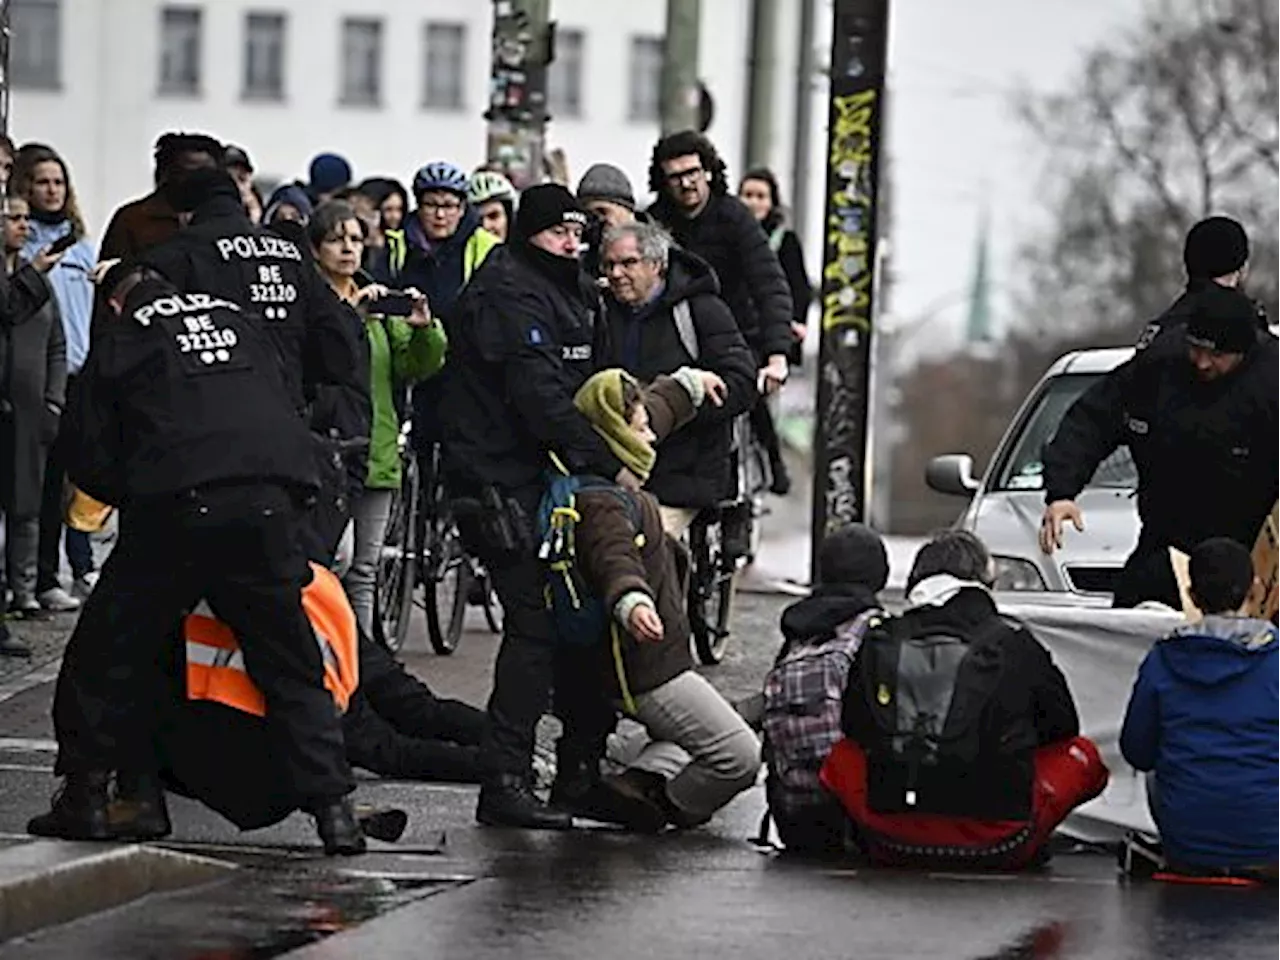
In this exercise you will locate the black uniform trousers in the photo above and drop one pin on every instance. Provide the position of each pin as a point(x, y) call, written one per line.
point(235, 547)
point(531, 665)
point(1147, 574)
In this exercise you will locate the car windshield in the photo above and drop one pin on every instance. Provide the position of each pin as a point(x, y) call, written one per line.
point(1022, 468)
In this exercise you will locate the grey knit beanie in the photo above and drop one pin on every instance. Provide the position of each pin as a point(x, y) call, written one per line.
point(605, 182)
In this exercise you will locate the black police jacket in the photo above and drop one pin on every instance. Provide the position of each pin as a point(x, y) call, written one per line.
point(273, 277)
point(694, 466)
point(752, 283)
point(182, 391)
point(1205, 452)
point(523, 341)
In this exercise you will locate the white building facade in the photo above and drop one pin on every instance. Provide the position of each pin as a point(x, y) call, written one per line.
point(389, 84)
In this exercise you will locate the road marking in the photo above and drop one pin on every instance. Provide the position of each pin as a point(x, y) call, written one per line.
point(45, 674)
point(24, 768)
point(29, 744)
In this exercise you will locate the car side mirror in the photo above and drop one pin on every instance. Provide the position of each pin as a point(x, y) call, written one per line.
point(952, 474)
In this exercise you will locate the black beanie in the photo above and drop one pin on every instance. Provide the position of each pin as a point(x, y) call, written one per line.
point(543, 207)
point(189, 191)
point(1223, 320)
point(1215, 247)
point(854, 554)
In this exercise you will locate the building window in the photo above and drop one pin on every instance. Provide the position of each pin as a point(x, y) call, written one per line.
point(361, 62)
point(564, 75)
point(445, 52)
point(180, 43)
point(264, 56)
point(35, 47)
point(646, 78)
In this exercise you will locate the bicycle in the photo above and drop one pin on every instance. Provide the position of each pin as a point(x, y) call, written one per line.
point(397, 572)
point(716, 557)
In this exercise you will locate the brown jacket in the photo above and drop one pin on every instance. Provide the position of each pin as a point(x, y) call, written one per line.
point(617, 559)
point(137, 226)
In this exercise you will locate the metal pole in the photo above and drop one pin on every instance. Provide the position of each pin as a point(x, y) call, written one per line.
point(806, 67)
point(679, 89)
point(760, 84)
point(4, 96)
point(517, 114)
point(850, 266)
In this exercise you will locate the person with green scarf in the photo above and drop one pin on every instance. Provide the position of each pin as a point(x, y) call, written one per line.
point(698, 738)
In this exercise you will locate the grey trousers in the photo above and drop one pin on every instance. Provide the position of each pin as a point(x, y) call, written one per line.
point(698, 741)
point(370, 514)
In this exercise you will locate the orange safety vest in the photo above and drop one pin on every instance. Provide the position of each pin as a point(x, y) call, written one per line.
point(215, 663)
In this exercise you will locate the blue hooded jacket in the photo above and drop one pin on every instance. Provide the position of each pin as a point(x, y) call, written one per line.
point(1203, 716)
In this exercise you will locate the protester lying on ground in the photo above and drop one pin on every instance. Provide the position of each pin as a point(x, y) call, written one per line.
point(962, 745)
point(803, 691)
point(1202, 719)
point(630, 564)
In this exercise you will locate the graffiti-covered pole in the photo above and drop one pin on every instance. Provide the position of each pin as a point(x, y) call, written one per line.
point(523, 45)
point(855, 119)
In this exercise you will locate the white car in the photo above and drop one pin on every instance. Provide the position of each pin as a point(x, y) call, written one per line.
point(1008, 502)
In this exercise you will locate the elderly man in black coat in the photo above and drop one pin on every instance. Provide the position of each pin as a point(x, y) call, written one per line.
point(664, 312)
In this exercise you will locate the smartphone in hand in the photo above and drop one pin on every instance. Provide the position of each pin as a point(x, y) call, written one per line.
point(63, 243)
point(394, 303)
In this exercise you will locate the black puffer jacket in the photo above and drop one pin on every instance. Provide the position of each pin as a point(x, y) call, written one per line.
point(693, 468)
point(523, 343)
point(728, 237)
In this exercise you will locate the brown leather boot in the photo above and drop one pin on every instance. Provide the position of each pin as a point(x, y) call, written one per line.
point(139, 811)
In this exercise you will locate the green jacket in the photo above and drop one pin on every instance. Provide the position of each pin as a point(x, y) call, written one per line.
point(399, 355)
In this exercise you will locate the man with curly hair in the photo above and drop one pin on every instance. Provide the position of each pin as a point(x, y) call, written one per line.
point(694, 204)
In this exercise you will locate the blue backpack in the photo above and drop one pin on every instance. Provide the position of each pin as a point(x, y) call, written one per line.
point(580, 617)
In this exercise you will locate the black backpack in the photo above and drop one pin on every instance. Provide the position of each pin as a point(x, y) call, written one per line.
point(927, 692)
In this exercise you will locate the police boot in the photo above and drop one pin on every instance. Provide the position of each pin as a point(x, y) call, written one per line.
point(338, 829)
point(579, 789)
point(139, 811)
point(79, 810)
point(509, 801)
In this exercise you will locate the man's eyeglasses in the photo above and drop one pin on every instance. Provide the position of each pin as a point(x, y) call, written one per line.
point(679, 178)
point(448, 206)
point(626, 263)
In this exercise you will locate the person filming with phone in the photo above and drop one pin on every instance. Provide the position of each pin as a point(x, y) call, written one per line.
point(406, 345)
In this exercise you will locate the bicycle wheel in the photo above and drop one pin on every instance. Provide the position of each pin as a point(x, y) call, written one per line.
point(492, 606)
point(446, 594)
point(713, 580)
point(397, 567)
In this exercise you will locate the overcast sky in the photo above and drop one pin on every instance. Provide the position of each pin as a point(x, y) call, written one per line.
point(955, 143)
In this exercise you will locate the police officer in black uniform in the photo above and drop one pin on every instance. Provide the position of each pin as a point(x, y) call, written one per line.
point(182, 419)
point(522, 345)
point(1197, 409)
point(1216, 251)
point(322, 346)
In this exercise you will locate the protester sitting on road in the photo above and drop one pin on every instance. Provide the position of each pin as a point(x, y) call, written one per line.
point(797, 710)
point(962, 740)
point(402, 350)
point(41, 176)
point(662, 312)
point(1202, 719)
point(636, 572)
point(494, 200)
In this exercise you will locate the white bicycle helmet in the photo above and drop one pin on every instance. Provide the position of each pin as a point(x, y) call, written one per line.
point(490, 185)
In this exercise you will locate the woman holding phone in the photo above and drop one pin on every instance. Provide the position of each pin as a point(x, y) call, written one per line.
point(406, 344)
point(41, 177)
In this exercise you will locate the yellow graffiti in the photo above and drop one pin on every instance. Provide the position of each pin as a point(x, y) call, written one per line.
point(846, 299)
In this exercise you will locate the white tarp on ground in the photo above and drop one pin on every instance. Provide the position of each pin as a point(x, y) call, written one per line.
point(1099, 650)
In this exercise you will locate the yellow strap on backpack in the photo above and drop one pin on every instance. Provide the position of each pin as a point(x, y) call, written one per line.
point(83, 512)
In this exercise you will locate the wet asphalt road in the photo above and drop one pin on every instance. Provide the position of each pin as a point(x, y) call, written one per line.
point(450, 889)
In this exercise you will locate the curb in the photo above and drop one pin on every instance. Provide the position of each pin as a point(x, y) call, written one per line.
point(48, 882)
